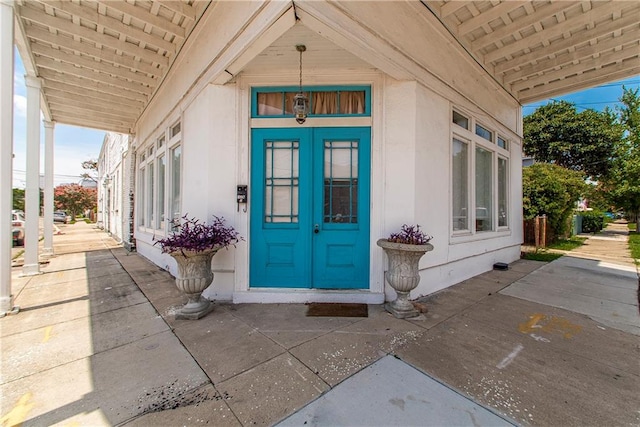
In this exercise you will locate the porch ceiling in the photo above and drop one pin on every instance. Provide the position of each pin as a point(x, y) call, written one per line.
point(540, 49)
point(101, 61)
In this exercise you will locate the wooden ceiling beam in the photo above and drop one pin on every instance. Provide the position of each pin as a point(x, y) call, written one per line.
point(90, 120)
point(88, 34)
point(92, 75)
point(601, 62)
point(586, 80)
point(89, 62)
point(180, 7)
point(65, 98)
point(144, 16)
point(89, 50)
point(84, 91)
point(599, 31)
point(451, 7)
point(521, 24)
point(54, 76)
point(630, 37)
point(90, 110)
point(575, 23)
point(113, 24)
point(72, 119)
point(488, 16)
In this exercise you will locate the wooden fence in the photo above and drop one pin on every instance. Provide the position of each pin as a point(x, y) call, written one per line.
point(537, 232)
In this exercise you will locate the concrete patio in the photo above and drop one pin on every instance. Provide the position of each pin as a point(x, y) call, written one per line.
point(96, 343)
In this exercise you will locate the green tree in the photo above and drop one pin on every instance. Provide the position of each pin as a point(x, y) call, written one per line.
point(551, 190)
point(557, 133)
point(623, 186)
point(74, 198)
point(18, 199)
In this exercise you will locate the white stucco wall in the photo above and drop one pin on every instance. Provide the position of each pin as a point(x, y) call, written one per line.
point(411, 140)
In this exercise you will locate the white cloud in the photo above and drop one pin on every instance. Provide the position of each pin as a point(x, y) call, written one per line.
point(20, 105)
point(18, 79)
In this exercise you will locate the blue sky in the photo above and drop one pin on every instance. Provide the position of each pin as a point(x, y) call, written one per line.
point(73, 145)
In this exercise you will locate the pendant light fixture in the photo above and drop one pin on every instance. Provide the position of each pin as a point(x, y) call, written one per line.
point(300, 100)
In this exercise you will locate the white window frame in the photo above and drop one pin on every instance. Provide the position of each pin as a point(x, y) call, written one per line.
point(158, 147)
point(473, 141)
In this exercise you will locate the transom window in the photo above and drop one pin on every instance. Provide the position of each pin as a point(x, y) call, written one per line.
point(323, 101)
point(480, 177)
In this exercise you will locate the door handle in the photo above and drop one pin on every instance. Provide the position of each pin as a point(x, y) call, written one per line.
point(316, 228)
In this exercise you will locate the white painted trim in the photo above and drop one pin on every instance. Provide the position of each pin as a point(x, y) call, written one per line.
point(284, 295)
point(376, 224)
point(289, 122)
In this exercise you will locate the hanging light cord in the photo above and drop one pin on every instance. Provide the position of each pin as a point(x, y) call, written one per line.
point(301, 48)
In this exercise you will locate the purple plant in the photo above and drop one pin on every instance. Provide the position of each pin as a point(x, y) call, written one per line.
point(196, 236)
point(411, 235)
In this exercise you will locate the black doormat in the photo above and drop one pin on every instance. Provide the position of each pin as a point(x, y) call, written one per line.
point(325, 309)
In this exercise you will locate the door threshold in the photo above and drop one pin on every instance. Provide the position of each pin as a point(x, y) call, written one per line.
point(279, 295)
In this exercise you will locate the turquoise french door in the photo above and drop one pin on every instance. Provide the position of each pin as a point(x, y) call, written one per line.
point(310, 208)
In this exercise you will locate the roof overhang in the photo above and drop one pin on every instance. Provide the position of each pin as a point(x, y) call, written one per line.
point(101, 62)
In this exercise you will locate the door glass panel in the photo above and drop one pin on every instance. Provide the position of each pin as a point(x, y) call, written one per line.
point(341, 182)
point(281, 181)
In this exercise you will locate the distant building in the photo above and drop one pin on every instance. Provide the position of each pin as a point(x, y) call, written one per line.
point(114, 186)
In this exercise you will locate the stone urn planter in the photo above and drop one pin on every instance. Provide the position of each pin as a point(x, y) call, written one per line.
point(193, 245)
point(402, 274)
point(193, 277)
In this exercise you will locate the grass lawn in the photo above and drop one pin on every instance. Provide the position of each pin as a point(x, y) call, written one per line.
point(541, 256)
point(632, 226)
point(567, 245)
point(634, 246)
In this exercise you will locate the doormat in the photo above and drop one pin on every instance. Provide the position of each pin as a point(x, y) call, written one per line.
point(324, 309)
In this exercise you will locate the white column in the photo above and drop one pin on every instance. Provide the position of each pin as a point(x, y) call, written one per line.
point(6, 154)
point(32, 190)
point(49, 128)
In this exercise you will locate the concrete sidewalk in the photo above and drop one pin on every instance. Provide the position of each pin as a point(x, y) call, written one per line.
point(96, 343)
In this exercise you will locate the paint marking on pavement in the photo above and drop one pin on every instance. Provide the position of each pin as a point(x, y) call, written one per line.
point(507, 360)
point(541, 323)
point(47, 334)
point(18, 414)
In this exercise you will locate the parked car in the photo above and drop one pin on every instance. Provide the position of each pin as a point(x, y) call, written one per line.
point(17, 228)
point(60, 216)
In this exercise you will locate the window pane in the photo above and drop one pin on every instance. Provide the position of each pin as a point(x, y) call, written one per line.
point(503, 218)
point(141, 193)
point(484, 133)
point(502, 143)
point(324, 103)
point(352, 102)
point(149, 220)
point(341, 181)
point(460, 185)
point(270, 103)
point(460, 120)
point(176, 168)
point(484, 191)
point(175, 129)
point(161, 174)
point(281, 181)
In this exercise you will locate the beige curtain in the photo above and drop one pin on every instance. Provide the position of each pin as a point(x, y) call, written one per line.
point(352, 102)
point(270, 103)
point(324, 103)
